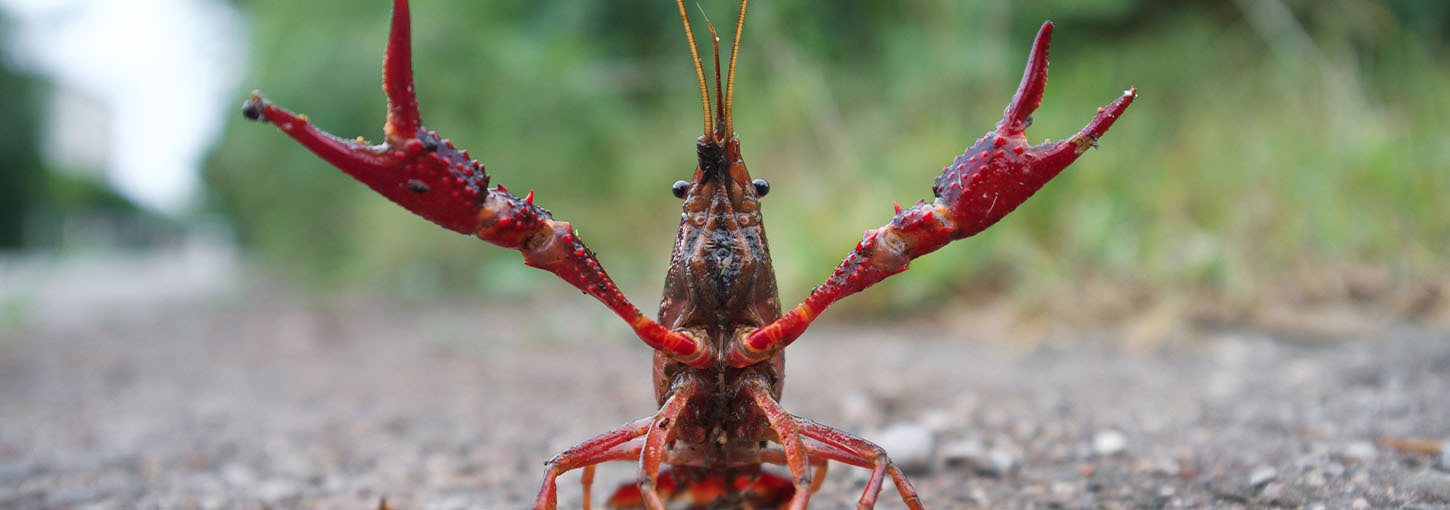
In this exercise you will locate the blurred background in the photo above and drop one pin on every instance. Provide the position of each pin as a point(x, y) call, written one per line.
point(1282, 153)
point(1226, 305)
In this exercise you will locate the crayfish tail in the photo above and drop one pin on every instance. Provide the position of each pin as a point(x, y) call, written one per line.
point(688, 489)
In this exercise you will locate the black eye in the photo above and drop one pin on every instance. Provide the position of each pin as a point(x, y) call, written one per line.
point(761, 187)
point(680, 188)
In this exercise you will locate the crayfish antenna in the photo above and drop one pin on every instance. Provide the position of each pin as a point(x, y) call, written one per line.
point(403, 120)
point(1029, 93)
point(719, 134)
point(730, 82)
point(699, 67)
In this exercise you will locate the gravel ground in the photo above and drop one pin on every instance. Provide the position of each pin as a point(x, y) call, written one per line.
point(265, 402)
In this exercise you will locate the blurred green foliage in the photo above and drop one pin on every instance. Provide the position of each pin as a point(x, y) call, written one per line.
point(44, 206)
point(1268, 137)
point(20, 170)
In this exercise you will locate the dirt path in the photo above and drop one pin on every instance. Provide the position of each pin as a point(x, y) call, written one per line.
point(264, 403)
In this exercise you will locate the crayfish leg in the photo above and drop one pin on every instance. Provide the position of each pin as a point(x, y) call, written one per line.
point(784, 426)
point(777, 456)
point(831, 443)
point(660, 434)
point(619, 444)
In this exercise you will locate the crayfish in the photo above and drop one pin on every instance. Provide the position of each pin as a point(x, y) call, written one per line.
point(718, 341)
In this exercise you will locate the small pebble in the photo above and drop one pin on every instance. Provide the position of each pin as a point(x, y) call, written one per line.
point(1315, 479)
point(1360, 478)
point(238, 475)
point(910, 446)
point(1445, 455)
point(1002, 460)
point(1358, 451)
point(1160, 466)
point(1360, 504)
point(1109, 442)
point(1262, 475)
point(937, 420)
point(980, 496)
point(276, 490)
point(971, 454)
point(857, 407)
point(966, 453)
point(963, 452)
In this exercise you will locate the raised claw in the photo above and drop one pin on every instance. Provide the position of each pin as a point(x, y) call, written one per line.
point(982, 185)
point(425, 174)
point(420, 172)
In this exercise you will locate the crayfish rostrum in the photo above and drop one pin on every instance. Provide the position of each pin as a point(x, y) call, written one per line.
point(718, 341)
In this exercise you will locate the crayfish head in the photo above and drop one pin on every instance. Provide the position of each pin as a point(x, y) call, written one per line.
point(720, 275)
point(720, 278)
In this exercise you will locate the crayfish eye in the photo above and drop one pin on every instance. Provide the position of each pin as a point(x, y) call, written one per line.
point(679, 188)
point(761, 187)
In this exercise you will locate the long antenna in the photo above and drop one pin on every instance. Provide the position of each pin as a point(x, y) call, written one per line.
point(730, 82)
point(699, 68)
point(719, 98)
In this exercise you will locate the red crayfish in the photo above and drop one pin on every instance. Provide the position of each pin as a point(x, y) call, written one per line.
point(718, 342)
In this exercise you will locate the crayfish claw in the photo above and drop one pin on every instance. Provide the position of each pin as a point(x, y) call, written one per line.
point(427, 175)
point(981, 186)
